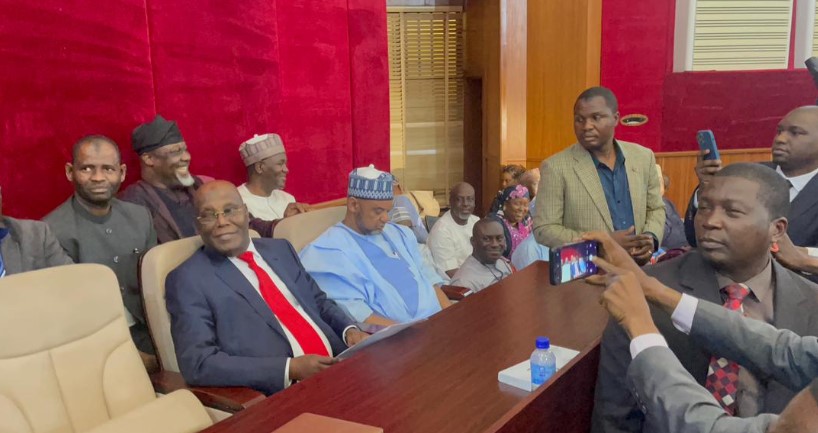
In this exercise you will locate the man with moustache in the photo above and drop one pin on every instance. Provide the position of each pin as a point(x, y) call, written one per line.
point(166, 187)
point(94, 227)
point(370, 266)
point(741, 215)
point(246, 313)
point(266, 162)
point(449, 238)
point(486, 265)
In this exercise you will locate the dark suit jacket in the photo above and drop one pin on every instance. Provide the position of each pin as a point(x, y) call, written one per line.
point(803, 217)
point(30, 245)
point(615, 410)
point(224, 332)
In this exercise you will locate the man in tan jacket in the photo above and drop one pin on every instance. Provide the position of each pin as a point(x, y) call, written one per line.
point(600, 183)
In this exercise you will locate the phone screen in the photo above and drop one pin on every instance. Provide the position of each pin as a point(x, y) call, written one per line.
point(573, 261)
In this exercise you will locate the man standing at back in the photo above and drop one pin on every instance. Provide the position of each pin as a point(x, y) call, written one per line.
point(94, 227)
point(266, 163)
point(370, 266)
point(600, 183)
point(741, 215)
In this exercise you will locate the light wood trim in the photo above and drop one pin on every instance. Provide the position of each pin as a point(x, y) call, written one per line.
point(331, 203)
point(680, 168)
point(424, 9)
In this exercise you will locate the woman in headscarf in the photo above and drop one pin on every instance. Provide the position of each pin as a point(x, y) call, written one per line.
point(513, 214)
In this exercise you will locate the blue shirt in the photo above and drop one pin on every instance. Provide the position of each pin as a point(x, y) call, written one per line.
point(528, 252)
point(617, 191)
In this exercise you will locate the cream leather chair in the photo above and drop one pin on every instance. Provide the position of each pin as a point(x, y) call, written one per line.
point(304, 228)
point(156, 265)
point(67, 362)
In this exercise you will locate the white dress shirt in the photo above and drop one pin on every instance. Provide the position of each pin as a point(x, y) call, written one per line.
point(450, 242)
point(248, 273)
point(267, 208)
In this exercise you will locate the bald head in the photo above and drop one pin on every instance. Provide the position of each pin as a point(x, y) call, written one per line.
point(795, 148)
point(222, 219)
point(461, 202)
point(531, 180)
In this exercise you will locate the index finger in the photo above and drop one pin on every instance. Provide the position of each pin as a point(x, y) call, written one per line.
point(608, 267)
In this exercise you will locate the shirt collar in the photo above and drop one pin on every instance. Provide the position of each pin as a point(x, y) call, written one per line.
point(760, 285)
point(797, 182)
point(620, 157)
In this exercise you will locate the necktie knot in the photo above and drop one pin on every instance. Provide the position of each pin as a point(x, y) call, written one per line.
point(736, 292)
point(247, 257)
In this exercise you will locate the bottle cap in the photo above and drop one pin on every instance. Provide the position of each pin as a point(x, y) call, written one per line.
point(543, 343)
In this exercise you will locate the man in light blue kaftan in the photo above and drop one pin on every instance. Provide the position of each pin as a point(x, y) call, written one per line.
point(370, 266)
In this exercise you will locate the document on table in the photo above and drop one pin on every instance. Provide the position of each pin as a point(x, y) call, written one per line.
point(519, 375)
point(376, 337)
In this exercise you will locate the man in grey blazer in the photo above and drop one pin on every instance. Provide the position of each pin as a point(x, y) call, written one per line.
point(741, 215)
point(600, 183)
point(666, 393)
point(27, 245)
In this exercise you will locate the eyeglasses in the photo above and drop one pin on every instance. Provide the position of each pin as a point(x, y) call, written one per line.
point(231, 213)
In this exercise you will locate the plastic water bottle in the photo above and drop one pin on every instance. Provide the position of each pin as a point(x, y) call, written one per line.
point(543, 362)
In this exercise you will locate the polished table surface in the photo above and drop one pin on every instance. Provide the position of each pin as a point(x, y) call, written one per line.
point(441, 374)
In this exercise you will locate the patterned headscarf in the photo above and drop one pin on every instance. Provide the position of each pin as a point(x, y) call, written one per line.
point(512, 192)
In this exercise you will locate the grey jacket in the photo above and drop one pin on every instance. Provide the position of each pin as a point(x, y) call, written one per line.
point(29, 246)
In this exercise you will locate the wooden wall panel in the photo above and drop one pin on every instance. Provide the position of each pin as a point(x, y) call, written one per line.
point(564, 45)
point(680, 167)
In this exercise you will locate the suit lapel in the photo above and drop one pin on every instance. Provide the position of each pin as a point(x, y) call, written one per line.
point(805, 200)
point(12, 258)
point(586, 171)
point(699, 278)
point(790, 309)
point(234, 279)
point(271, 256)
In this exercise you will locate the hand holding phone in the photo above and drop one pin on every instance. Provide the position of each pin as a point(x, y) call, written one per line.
point(708, 162)
point(573, 261)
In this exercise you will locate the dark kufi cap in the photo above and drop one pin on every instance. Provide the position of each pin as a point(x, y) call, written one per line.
point(155, 134)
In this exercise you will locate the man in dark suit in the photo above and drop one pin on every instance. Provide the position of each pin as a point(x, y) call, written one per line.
point(247, 313)
point(741, 215)
point(27, 245)
point(795, 158)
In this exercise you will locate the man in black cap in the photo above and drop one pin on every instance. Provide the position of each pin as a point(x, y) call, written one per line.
point(167, 187)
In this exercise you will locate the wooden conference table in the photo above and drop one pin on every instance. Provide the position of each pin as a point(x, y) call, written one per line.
point(441, 375)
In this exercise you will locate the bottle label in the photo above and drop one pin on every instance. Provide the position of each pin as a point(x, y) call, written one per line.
point(540, 374)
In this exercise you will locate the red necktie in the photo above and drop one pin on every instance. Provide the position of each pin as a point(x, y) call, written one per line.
point(722, 375)
point(290, 318)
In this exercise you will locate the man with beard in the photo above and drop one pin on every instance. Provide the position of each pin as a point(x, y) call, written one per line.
point(486, 265)
point(449, 238)
point(266, 162)
point(167, 187)
point(94, 227)
point(372, 267)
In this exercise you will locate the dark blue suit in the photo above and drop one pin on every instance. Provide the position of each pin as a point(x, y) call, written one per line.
point(223, 330)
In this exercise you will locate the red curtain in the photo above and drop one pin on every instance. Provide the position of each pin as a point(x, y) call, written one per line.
point(315, 72)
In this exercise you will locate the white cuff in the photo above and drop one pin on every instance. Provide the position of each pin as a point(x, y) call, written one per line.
point(646, 341)
point(813, 252)
point(682, 316)
point(287, 381)
point(344, 334)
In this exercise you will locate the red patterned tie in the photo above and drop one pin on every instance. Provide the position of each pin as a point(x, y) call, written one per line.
point(302, 331)
point(722, 376)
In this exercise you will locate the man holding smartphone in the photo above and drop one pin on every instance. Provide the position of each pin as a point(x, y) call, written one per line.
point(795, 158)
point(600, 183)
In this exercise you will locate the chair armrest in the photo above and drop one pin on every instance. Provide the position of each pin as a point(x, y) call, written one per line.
point(456, 293)
point(228, 399)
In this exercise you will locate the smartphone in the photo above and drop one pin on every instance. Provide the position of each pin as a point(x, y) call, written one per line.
point(707, 141)
point(573, 261)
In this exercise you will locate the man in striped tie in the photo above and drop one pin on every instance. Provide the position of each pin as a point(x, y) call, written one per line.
point(245, 313)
